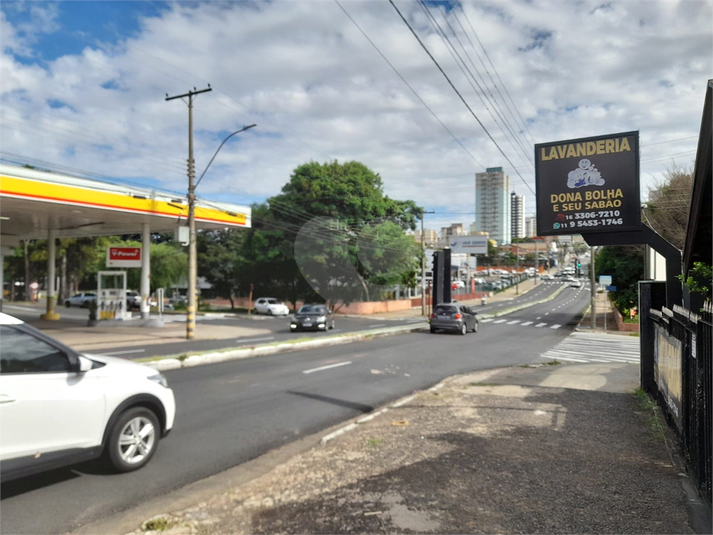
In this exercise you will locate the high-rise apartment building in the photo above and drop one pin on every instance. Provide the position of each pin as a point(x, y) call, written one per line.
point(517, 215)
point(430, 237)
point(530, 227)
point(492, 204)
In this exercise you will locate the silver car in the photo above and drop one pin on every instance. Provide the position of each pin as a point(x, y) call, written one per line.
point(453, 317)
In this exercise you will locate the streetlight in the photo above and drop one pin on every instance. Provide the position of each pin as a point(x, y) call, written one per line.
point(192, 252)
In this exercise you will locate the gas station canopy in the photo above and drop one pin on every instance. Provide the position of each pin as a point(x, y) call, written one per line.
point(33, 202)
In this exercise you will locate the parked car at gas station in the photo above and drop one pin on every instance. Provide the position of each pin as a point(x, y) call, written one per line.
point(82, 299)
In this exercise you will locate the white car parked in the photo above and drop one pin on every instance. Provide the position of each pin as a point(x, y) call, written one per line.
point(81, 299)
point(59, 407)
point(271, 306)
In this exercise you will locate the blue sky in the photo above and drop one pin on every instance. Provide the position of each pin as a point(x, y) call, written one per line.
point(83, 85)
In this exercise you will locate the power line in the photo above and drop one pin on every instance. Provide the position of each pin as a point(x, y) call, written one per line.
point(459, 95)
point(407, 84)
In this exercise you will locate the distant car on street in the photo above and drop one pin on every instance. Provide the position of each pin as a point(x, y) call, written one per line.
point(312, 318)
point(576, 284)
point(81, 299)
point(271, 306)
point(453, 317)
point(60, 407)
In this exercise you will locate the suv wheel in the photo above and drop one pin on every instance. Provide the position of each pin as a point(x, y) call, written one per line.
point(133, 439)
point(67, 304)
point(464, 328)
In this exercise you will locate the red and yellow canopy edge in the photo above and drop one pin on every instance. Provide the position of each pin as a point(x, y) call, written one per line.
point(24, 188)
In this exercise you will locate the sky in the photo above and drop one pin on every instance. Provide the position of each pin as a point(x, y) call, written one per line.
point(424, 94)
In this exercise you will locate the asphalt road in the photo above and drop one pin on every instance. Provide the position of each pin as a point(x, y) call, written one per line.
point(232, 412)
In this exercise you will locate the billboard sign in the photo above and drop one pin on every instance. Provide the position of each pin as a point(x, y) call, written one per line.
point(588, 185)
point(468, 244)
point(123, 257)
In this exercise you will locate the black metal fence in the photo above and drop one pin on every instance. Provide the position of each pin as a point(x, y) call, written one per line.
point(676, 356)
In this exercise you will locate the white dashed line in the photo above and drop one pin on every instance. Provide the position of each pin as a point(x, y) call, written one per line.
point(327, 367)
point(513, 322)
point(499, 321)
point(540, 325)
point(526, 323)
point(555, 326)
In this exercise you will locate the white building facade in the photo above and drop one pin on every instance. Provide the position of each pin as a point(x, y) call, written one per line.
point(493, 204)
point(517, 215)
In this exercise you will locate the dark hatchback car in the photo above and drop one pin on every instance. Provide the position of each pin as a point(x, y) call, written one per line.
point(453, 317)
point(312, 318)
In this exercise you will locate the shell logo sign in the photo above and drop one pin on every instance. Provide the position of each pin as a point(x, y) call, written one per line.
point(124, 257)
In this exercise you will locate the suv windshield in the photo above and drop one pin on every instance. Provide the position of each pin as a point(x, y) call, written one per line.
point(273, 302)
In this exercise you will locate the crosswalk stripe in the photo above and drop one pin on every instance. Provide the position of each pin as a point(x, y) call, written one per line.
point(486, 320)
point(499, 321)
point(526, 323)
point(556, 326)
point(589, 347)
point(513, 322)
point(540, 325)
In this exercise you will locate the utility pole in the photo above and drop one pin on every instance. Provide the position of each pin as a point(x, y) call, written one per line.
point(593, 290)
point(192, 254)
point(423, 265)
point(517, 270)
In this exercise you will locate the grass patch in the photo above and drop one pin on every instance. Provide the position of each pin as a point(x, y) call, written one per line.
point(372, 442)
point(156, 524)
point(635, 334)
point(553, 362)
point(650, 411)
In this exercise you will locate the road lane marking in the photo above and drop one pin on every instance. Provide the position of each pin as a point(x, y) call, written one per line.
point(263, 339)
point(499, 321)
point(556, 326)
point(526, 323)
point(377, 325)
point(124, 352)
point(513, 322)
point(540, 325)
point(402, 402)
point(327, 367)
point(486, 320)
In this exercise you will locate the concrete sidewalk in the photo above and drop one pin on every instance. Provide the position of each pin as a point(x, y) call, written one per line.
point(559, 448)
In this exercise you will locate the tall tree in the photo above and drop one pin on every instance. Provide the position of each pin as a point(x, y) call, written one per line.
point(667, 209)
point(311, 233)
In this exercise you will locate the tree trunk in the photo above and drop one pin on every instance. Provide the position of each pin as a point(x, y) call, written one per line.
point(364, 286)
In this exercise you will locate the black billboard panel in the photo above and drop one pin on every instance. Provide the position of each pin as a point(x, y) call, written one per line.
point(588, 185)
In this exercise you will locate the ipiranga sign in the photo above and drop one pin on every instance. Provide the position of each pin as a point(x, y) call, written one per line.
point(588, 185)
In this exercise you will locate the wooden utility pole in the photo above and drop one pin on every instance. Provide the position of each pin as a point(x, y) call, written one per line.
point(192, 254)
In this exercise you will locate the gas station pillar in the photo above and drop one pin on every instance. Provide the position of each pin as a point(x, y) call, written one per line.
point(51, 261)
point(145, 271)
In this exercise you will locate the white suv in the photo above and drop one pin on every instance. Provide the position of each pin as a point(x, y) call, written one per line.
point(58, 407)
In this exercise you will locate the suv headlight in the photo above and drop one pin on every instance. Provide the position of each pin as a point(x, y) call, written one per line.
point(160, 379)
point(322, 318)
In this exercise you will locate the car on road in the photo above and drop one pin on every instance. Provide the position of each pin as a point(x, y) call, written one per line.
point(312, 318)
point(133, 300)
point(82, 299)
point(271, 306)
point(576, 284)
point(59, 407)
point(453, 317)
point(457, 284)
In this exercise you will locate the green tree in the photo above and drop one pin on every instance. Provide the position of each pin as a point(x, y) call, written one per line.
point(220, 260)
point(328, 233)
point(667, 209)
point(625, 264)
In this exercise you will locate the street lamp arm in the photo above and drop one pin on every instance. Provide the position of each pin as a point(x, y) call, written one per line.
point(220, 147)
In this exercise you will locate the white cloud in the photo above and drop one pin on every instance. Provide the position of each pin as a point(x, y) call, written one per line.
point(318, 91)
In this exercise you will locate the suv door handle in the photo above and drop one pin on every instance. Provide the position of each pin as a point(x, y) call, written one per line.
point(4, 398)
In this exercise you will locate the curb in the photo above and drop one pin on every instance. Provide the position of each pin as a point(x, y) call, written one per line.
point(224, 356)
